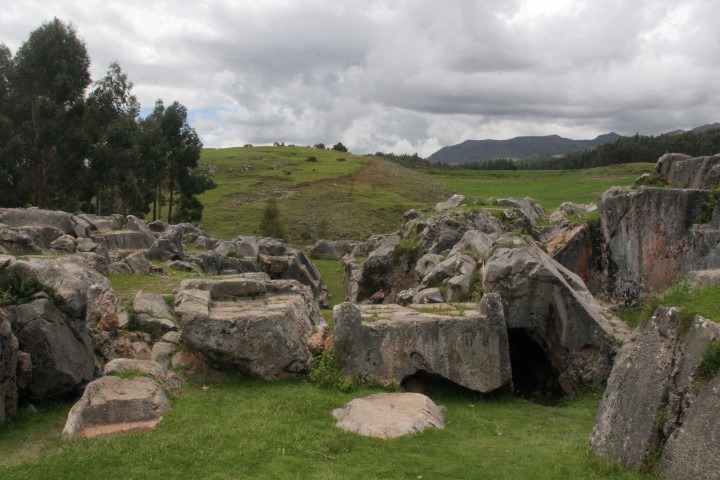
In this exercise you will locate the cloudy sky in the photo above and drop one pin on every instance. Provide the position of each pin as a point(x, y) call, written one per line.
point(404, 75)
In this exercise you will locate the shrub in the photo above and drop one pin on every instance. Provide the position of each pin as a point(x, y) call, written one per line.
point(340, 159)
point(271, 224)
point(326, 374)
point(312, 159)
point(710, 361)
point(408, 248)
point(21, 287)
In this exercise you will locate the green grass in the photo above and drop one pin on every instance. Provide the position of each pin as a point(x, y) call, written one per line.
point(128, 285)
point(250, 429)
point(549, 187)
point(355, 198)
point(703, 301)
point(332, 274)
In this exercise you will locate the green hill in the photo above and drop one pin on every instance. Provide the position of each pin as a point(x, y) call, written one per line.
point(339, 195)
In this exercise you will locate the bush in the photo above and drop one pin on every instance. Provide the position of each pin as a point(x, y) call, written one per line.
point(710, 361)
point(326, 374)
point(408, 248)
point(312, 159)
point(340, 159)
point(21, 287)
point(271, 224)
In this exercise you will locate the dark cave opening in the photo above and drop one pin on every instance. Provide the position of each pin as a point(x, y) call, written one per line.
point(534, 377)
point(431, 383)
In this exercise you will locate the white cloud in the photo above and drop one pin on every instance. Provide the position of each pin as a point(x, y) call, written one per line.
point(404, 75)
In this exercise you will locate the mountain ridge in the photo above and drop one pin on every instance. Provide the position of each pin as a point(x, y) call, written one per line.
point(518, 147)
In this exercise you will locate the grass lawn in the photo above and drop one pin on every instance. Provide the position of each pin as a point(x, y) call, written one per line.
point(549, 187)
point(249, 429)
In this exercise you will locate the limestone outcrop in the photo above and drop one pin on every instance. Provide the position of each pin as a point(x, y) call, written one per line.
point(390, 415)
point(59, 348)
point(391, 343)
point(652, 235)
point(683, 171)
point(261, 327)
point(553, 307)
point(9, 351)
point(658, 401)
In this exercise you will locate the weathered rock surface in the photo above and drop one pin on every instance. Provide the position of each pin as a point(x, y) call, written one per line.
point(9, 350)
point(553, 307)
point(60, 350)
point(112, 405)
point(82, 290)
point(683, 171)
point(703, 278)
point(36, 217)
point(693, 451)
point(390, 415)
point(572, 247)
point(169, 379)
point(168, 246)
point(135, 263)
point(164, 350)
point(332, 248)
point(653, 394)
point(452, 202)
point(260, 327)
point(391, 343)
point(651, 237)
point(153, 314)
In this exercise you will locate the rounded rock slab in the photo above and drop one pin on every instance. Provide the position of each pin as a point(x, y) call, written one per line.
point(390, 415)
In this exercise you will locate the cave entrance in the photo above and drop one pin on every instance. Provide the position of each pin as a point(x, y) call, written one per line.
point(431, 384)
point(533, 375)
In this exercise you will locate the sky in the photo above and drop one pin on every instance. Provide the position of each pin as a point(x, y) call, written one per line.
point(403, 76)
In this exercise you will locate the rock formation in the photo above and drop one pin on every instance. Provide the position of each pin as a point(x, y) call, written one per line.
point(392, 343)
point(261, 327)
point(658, 401)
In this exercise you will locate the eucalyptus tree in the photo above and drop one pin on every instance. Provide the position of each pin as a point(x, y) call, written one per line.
point(47, 79)
point(119, 180)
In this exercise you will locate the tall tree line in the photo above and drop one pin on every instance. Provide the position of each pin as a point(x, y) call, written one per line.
point(63, 149)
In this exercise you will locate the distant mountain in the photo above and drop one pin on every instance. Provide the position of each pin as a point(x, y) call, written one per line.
point(518, 147)
point(700, 129)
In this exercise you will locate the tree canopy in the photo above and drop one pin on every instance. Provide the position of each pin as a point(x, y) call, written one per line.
point(62, 149)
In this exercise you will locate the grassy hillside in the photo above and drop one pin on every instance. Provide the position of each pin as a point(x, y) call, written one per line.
point(339, 195)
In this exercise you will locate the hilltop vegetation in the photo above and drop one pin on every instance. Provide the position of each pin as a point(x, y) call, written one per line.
point(319, 193)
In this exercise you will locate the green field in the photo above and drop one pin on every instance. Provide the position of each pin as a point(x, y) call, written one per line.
point(549, 187)
point(249, 429)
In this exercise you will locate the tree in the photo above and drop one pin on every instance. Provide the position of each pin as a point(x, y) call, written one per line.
point(48, 78)
point(319, 146)
point(118, 178)
point(339, 147)
point(271, 224)
point(173, 148)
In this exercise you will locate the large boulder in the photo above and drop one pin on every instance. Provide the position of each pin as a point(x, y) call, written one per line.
point(152, 314)
point(392, 343)
point(36, 217)
point(332, 248)
point(16, 242)
point(9, 350)
point(651, 236)
point(550, 305)
point(257, 326)
point(83, 292)
point(390, 415)
point(168, 246)
point(134, 264)
point(119, 366)
point(683, 171)
point(59, 348)
point(296, 266)
point(655, 394)
point(112, 405)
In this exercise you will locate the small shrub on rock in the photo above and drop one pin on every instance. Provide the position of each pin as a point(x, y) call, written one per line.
point(326, 374)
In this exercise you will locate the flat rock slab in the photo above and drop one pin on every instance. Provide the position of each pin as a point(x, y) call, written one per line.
point(390, 415)
point(113, 405)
